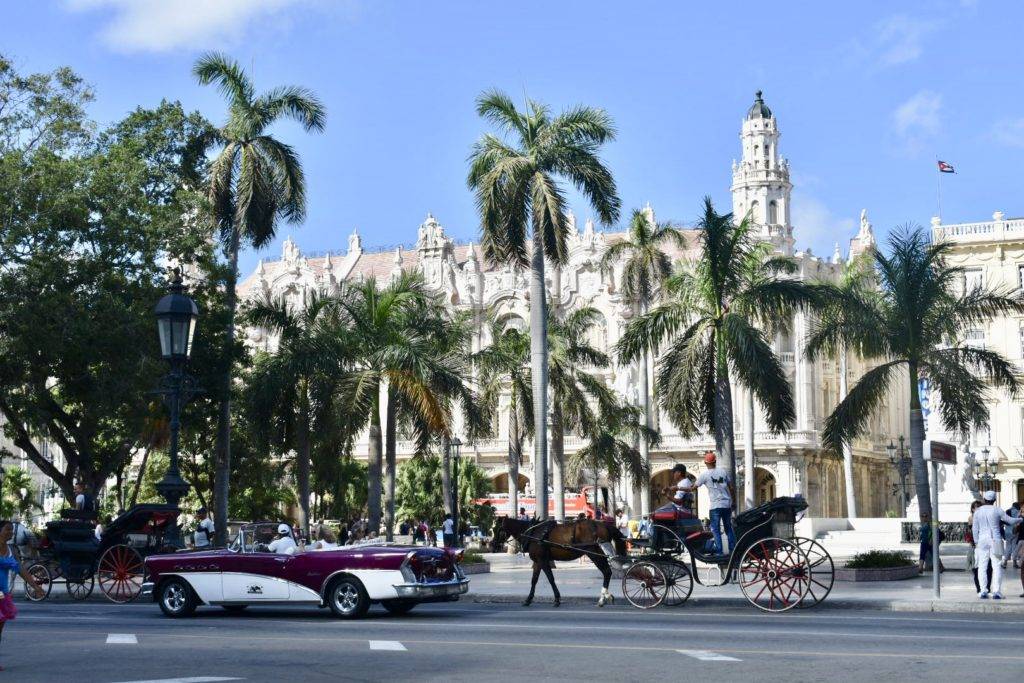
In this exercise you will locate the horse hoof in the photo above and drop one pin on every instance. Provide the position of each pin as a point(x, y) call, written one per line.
point(556, 603)
point(526, 603)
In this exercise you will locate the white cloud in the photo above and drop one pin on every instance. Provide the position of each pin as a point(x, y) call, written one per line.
point(1009, 132)
point(159, 25)
point(918, 119)
point(899, 39)
point(815, 225)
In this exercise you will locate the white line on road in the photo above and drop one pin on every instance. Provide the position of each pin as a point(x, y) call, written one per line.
point(122, 639)
point(706, 656)
point(194, 679)
point(392, 645)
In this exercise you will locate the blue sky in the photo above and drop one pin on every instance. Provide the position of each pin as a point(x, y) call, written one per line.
point(867, 95)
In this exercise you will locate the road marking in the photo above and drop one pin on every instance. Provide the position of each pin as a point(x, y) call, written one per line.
point(122, 639)
point(705, 656)
point(194, 679)
point(392, 645)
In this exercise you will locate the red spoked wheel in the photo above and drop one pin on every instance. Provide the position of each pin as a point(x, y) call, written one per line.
point(41, 574)
point(823, 571)
point(80, 586)
point(121, 573)
point(644, 585)
point(774, 575)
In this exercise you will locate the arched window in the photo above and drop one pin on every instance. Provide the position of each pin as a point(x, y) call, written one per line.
point(757, 149)
point(755, 211)
point(767, 150)
point(773, 212)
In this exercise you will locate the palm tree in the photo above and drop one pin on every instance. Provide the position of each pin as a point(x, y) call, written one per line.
point(575, 393)
point(390, 350)
point(504, 368)
point(517, 190)
point(644, 271)
point(855, 282)
point(255, 180)
point(914, 324)
point(293, 386)
point(712, 321)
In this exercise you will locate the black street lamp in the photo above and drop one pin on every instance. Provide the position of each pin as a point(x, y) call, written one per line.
point(456, 445)
point(176, 316)
point(986, 469)
point(899, 458)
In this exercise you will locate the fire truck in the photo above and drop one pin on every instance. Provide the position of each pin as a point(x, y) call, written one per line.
point(575, 503)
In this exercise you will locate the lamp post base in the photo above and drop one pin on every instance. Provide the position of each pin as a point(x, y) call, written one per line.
point(173, 488)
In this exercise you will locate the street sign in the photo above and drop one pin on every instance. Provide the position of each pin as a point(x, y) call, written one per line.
point(940, 453)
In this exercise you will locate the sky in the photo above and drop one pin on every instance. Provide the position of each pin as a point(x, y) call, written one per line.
point(867, 96)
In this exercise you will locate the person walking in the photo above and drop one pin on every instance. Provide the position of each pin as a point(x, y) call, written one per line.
point(448, 531)
point(720, 492)
point(989, 539)
point(925, 552)
point(9, 565)
point(972, 566)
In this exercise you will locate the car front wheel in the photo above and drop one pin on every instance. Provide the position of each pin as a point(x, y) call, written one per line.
point(177, 599)
point(347, 598)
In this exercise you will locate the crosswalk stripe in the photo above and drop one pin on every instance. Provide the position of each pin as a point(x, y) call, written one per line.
point(706, 656)
point(122, 639)
point(393, 645)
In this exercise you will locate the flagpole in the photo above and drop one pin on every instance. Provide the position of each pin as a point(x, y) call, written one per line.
point(938, 187)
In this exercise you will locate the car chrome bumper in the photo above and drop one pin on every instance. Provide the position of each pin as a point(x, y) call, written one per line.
point(147, 589)
point(440, 589)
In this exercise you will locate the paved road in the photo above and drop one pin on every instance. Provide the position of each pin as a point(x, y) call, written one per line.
point(99, 643)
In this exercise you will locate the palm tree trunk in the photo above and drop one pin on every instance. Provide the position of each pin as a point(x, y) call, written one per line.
point(724, 439)
point(750, 477)
point(302, 462)
point(539, 369)
point(645, 451)
point(924, 501)
point(446, 473)
point(376, 455)
point(851, 503)
point(515, 447)
point(390, 446)
point(558, 459)
point(222, 471)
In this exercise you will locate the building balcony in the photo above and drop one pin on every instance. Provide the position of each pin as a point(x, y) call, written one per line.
point(999, 229)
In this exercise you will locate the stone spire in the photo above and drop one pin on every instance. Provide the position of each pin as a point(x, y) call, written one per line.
point(355, 242)
point(570, 220)
point(865, 239)
point(837, 256)
point(648, 213)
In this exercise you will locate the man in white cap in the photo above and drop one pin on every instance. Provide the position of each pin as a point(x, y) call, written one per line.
point(284, 544)
point(988, 539)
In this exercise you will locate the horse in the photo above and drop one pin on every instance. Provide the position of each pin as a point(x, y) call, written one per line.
point(549, 540)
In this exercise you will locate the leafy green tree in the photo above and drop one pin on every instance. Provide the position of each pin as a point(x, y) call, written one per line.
point(418, 489)
point(914, 325)
point(18, 494)
point(712, 323)
point(515, 176)
point(645, 269)
point(254, 181)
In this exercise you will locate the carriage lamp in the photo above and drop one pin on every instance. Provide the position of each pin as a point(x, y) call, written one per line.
point(176, 316)
point(456, 445)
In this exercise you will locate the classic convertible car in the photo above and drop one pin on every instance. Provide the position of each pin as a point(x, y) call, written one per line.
point(347, 579)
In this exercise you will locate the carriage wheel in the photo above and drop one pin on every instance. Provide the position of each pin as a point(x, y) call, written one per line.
point(121, 572)
point(644, 585)
point(774, 574)
point(79, 588)
point(823, 571)
point(41, 574)
point(679, 580)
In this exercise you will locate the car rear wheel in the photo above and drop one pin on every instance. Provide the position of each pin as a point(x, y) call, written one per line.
point(347, 598)
point(398, 606)
point(177, 599)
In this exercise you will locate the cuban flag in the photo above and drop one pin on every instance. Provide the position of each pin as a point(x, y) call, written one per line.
point(945, 168)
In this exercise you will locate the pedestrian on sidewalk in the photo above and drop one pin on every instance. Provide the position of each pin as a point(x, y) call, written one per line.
point(720, 491)
point(972, 566)
point(989, 537)
point(1010, 536)
point(448, 531)
point(925, 554)
point(9, 564)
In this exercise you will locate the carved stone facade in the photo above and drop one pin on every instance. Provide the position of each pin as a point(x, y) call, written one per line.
point(786, 464)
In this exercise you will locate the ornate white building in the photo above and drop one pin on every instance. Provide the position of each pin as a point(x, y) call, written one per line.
point(786, 464)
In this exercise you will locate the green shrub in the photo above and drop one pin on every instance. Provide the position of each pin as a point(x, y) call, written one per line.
point(880, 559)
point(472, 558)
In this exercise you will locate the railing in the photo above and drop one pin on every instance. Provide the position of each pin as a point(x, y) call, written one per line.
point(986, 231)
point(788, 357)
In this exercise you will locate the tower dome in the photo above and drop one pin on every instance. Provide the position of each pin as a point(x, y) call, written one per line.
point(759, 110)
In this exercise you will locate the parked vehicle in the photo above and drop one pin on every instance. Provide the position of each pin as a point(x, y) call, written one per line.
point(347, 579)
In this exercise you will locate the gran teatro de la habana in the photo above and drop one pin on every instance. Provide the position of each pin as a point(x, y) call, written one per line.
point(786, 464)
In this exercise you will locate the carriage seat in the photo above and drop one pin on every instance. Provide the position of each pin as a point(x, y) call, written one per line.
point(699, 536)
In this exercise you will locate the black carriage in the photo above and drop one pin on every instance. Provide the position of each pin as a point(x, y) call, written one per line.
point(71, 552)
point(776, 570)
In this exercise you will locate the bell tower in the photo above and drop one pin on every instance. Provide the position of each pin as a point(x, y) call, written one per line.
point(760, 182)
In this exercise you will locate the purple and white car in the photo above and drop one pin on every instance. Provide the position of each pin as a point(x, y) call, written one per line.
point(347, 579)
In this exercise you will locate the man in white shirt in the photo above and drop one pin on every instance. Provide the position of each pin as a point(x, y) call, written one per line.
point(988, 540)
point(202, 537)
point(448, 531)
point(284, 544)
point(719, 486)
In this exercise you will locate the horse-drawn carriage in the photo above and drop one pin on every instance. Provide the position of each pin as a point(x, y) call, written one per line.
point(71, 552)
point(776, 570)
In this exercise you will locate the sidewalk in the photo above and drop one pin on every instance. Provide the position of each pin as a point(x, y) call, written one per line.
point(509, 582)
